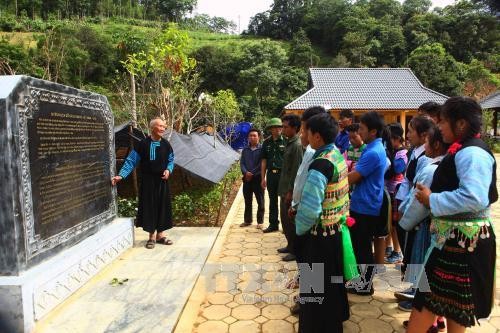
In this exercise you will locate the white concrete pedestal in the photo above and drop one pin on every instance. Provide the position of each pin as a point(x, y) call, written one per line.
point(28, 297)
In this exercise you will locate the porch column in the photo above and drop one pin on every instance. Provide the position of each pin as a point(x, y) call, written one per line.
point(402, 119)
point(495, 121)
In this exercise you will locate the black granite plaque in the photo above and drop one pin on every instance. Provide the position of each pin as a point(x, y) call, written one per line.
point(57, 161)
point(69, 166)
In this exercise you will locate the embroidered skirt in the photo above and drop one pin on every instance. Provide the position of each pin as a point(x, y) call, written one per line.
point(322, 310)
point(461, 282)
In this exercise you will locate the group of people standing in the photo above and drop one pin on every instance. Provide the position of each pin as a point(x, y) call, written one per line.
point(354, 196)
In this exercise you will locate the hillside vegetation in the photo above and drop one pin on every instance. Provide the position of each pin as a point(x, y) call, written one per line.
point(182, 67)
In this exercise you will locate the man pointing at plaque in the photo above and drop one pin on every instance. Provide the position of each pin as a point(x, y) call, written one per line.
point(156, 159)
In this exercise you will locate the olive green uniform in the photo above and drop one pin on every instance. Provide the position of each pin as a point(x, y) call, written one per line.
point(291, 162)
point(272, 152)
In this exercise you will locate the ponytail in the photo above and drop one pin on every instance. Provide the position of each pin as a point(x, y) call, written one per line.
point(389, 151)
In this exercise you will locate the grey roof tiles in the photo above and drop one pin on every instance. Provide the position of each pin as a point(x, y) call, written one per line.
point(365, 88)
point(492, 101)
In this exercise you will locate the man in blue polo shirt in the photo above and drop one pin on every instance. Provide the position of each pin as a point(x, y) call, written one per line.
point(367, 197)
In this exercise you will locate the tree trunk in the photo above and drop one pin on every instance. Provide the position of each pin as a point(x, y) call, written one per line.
point(134, 172)
point(134, 101)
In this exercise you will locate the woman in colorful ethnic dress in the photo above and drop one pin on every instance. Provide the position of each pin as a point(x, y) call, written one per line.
point(320, 227)
point(418, 215)
point(461, 260)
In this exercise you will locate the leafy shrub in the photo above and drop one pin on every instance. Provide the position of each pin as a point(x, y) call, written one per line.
point(127, 207)
point(201, 205)
point(7, 23)
point(208, 203)
point(182, 206)
point(493, 143)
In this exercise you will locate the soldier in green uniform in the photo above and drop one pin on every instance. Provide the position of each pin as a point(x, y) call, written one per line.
point(291, 161)
point(273, 149)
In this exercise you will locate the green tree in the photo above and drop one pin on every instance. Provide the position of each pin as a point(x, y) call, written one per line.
point(218, 67)
point(301, 52)
point(340, 61)
point(473, 32)
point(322, 22)
point(52, 53)
point(30, 7)
point(293, 83)
point(101, 56)
point(437, 69)
point(250, 107)
point(415, 7)
point(164, 74)
point(492, 5)
point(263, 51)
point(285, 17)
point(14, 59)
point(388, 45)
point(479, 81)
point(389, 10)
point(224, 110)
point(419, 30)
point(356, 48)
point(221, 25)
point(259, 25)
point(175, 10)
point(263, 79)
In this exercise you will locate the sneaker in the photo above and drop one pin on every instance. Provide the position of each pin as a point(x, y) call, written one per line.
point(270, 229)
point(388, 251)
point(245, 224)
point(361, 292)
point(405, 306)
point(394, 258)
point(380, 269)
point(405, 295)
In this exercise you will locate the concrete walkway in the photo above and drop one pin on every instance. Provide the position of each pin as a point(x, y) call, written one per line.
point(243, 289)
point(155, 287)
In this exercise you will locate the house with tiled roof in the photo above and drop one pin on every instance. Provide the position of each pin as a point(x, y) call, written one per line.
point(395, 92)
point(492, 102)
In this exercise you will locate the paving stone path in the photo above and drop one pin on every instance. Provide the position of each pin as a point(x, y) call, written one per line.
point(247, 290)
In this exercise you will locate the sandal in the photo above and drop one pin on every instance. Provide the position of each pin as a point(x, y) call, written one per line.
point(150, 244)
point(164, 241)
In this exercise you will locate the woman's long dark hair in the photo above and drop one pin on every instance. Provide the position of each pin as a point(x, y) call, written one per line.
point(434, 136)
point(374, 121)
point(457, 108)
point(421, 124)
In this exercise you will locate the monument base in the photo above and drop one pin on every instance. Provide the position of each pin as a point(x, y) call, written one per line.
point(28, 297)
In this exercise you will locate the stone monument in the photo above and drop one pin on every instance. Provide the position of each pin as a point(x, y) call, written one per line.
point(58, 223)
